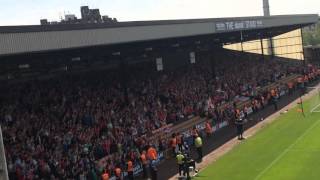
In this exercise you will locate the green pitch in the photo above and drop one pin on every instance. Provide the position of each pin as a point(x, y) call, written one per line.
point(287, 149)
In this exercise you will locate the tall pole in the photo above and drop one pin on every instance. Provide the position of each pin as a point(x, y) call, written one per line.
point(304, 58)
point(266, 13)
point(266, 8)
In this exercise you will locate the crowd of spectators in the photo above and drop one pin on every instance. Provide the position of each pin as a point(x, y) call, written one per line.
point(58, 128)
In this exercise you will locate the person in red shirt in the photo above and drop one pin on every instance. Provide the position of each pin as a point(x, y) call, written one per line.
point(118, 173)
point(306, 78)
point(237, 113)
point(195, 133)
point(300, 81)
point(105, 176)
point(144, 162)
point(130, 169)
point(173, 144)
point(179, 141)
point(290, 87)
point(152, 153)
point(208, 129)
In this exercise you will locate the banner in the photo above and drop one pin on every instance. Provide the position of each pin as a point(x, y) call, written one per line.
point(165, 129)
point(201, 127)
point(161, 132)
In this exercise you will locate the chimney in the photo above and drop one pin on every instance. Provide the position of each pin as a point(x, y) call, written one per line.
point(266, 9)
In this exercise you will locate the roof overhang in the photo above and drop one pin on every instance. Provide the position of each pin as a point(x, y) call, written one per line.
point(24, 39)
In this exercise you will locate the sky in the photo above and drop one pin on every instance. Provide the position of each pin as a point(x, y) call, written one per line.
point(25, 12)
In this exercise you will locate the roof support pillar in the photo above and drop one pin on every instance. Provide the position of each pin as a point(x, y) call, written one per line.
point(241, 41)
point(302, 42)
point(262, 50)
point(270, 47)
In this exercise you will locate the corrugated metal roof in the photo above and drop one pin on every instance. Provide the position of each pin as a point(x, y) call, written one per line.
point(66, 27)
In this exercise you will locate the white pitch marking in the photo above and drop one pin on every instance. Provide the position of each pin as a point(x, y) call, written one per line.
point(285, 151)
point(313, 109)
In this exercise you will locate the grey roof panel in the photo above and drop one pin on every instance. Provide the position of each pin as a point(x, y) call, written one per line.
point(64, 27)
point(23, 39)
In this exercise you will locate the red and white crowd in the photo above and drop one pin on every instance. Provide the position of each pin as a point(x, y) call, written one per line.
point(58, 128)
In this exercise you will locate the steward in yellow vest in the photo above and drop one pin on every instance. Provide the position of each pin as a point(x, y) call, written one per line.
point(198, 144)
point(180, 158)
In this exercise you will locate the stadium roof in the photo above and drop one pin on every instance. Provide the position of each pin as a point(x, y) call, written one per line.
point(37, 38)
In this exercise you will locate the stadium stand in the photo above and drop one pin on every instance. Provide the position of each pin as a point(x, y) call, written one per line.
point(79, 101)
point(82, 124)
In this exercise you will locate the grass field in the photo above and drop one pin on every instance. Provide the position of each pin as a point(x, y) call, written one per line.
point(287, 149)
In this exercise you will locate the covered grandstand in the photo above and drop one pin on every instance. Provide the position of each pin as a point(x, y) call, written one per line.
point(54, 58)
point(60, 45)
